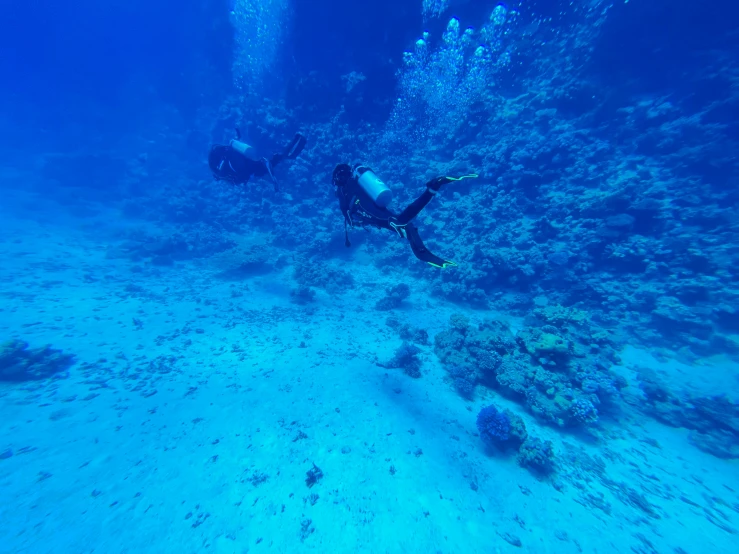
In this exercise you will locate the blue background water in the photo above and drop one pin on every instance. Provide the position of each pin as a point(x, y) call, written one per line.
point(210, 343)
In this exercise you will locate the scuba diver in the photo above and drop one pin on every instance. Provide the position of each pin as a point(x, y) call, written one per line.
point(364, 198)
point(238, 161)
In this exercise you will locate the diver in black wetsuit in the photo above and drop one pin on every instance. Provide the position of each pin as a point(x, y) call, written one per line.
point(363, 199)
point(238, 161)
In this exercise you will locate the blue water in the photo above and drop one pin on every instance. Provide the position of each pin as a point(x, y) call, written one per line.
point(189, 365)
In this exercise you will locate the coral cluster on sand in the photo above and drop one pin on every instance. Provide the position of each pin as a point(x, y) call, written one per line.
point(560, 374)
point(18, 362)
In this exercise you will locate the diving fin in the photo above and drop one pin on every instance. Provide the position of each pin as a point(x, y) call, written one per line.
point(436, 183)
point(294, 149)
point(442, 264)
point(468, 176)
point(268, 167)
point(422, 253)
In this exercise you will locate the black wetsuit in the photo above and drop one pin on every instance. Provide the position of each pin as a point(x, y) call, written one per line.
point(359, 209)
point(227, 164)
point(236, 168)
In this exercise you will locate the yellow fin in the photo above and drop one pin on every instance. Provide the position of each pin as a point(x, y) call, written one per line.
point(469, 176)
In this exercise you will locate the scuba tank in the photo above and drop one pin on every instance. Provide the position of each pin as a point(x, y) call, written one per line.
point(245, 150)
point(378, 191)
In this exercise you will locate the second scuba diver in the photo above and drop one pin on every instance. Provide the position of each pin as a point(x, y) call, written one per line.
point(237, 161)
point(364, 198)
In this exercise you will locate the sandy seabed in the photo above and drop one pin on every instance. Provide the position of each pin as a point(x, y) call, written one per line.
point(197, 405)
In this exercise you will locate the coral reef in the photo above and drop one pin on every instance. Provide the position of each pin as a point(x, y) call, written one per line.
point(584, 412)
point(408, 332)
point(718, 442)
point(618, 207)
point(20, 363)
point(406, 358)
point(481, 348)
point(561, 374)
point(501, 428)
point(464, 379)
point(187, 243)
point(505, 431)
point(713, 420)
point(494, 426)
point(307, 273)
point(302, 295)
point(537, 455)
point(600, 219)
point(394, 297)
point(605, 214)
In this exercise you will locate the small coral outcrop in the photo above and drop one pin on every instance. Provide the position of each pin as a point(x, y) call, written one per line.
point(20, 363)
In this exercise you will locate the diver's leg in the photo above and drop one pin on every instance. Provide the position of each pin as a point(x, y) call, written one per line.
point(415, 207)
point(263, 168)
point(291, 151)
point(268, 166)
point(421, 252)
